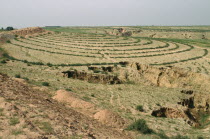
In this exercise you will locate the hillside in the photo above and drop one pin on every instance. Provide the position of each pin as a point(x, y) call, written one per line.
point(81, 82)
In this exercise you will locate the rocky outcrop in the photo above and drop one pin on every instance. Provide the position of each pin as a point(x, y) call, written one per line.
point(93, 78)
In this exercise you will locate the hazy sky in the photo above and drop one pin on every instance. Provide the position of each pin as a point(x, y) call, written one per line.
point(26, 13)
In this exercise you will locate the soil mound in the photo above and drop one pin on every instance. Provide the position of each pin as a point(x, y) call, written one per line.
point(109, 118)
point(104, 116)
point(68, 97)
point(28, 31)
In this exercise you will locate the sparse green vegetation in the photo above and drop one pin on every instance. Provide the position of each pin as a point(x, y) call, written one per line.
point(140, 108)
point(45, 84)
point(43, 58)
point(17, 132)
point(13, 121)
point(1, 112)
point(8, 41)
point(17, 76)
point(141, 126)
point(45, 126)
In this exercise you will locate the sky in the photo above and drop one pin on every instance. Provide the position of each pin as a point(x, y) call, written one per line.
point(28, 13)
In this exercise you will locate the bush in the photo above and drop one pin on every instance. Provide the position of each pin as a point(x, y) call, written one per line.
point(8, 41)
point(3, 61)
point(45, 84)
point(141, 126)
point(49, 65)
point(17, 76)
point(139, 108)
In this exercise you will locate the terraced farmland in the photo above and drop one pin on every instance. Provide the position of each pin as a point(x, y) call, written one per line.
point(101, 74)
point(68, 49)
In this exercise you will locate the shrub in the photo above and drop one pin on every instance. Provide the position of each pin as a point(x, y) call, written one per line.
point(8, 41)
point(49, 64)
point(3, 61)
point(141, 126)
point(45, 84)
point(17, 76)
point(139, 108)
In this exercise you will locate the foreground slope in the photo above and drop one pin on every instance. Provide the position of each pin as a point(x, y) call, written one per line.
point(30, 113)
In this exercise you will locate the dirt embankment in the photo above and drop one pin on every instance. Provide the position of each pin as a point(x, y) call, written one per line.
point(29, 31)
point(25, 32)
point(191, 109)
point(172, 77)
point(93, 78)
point(29, 113)
point(104, 116)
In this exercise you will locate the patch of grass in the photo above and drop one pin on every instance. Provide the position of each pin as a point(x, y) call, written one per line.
point(16, 132)
point(140, 108)
point(180, 137)
point(14, 121)
point(92, 95)
point(76, 137)
point(49, 64)
point(86, 98)
point(17, 76)
point(1, 111)
point(25, 78)
point(3, 61)
point(45, 84)
point(200, 137)
point(96, 71)
point(141, 126)
point(130, 82)
point(203, 120)
point(46, 127)
point(68, 89)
